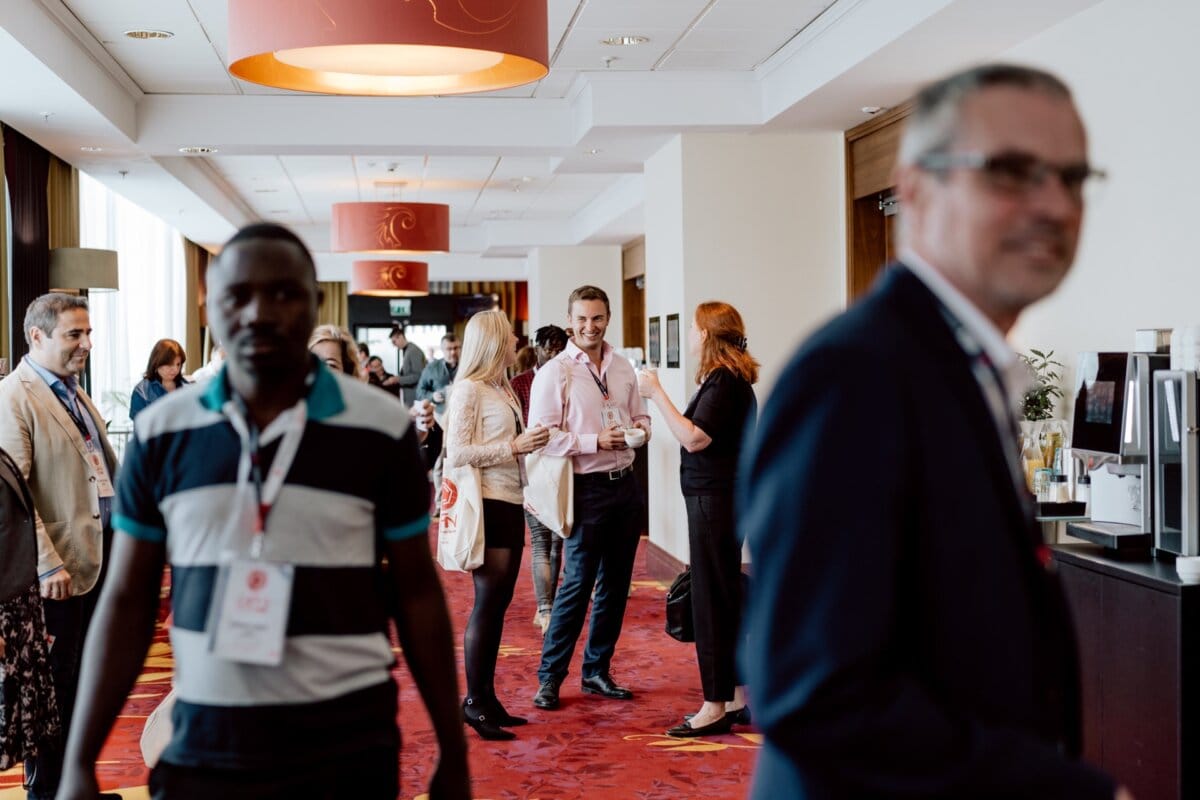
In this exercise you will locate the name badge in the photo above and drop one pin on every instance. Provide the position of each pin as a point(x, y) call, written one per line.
point(252, 603)
point(99, 473)
point(611, 414)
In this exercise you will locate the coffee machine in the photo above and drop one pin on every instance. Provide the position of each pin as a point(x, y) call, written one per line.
point(1176, 465)
point(1112, 434)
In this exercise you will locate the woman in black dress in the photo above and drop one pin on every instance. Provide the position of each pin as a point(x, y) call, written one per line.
point(29, 721)
point(711, 430)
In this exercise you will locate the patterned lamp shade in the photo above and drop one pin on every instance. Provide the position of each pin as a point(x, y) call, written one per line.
point(390, 228)
point(390, 278)
point(389, 47)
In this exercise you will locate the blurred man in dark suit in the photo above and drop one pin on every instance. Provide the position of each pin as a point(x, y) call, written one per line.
point(906, 634)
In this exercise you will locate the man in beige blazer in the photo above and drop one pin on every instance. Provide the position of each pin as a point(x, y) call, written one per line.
point(57, 439)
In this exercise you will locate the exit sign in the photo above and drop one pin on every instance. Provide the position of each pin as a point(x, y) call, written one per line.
point(400, 308)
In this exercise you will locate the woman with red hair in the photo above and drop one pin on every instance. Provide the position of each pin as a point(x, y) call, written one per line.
point(711, 430)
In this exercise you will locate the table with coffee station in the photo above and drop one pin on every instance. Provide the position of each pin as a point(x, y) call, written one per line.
point(1132, 575)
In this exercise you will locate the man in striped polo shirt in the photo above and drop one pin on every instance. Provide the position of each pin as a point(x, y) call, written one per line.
point(274, 492)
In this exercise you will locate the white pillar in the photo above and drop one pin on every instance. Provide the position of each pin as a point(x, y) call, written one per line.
point(757, 221)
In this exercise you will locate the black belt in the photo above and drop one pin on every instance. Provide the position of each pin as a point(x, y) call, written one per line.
point(615, 475)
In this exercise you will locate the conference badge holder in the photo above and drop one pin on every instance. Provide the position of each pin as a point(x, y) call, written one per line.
point(249, 614)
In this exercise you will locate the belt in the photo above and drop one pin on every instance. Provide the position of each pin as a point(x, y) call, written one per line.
point(615, 475)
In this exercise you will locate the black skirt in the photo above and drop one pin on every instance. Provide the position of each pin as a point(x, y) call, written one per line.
point(503, 524)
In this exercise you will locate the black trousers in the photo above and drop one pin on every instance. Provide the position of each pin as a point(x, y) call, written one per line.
point(370, 775)
point(67, 621)
point(716, 560)
point(600, 551)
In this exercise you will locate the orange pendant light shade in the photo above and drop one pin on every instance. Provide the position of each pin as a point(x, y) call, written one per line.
point(390, 278)
point(388, 47)
point(391, 228)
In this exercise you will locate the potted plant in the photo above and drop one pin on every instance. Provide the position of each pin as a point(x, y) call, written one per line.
point(1038, 403)
point(1043, 437)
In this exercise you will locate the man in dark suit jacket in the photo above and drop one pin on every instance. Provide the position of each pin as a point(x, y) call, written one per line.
point(907, 637)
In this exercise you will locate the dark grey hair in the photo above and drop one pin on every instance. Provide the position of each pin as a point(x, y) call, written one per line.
point(43, 312)
point(937, 109)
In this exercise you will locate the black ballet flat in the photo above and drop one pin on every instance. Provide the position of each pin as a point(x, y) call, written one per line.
point(479, 719)
point(684, 730)
point(740, 717)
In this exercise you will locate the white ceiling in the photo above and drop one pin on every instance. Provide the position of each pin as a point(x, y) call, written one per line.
point(557, 162)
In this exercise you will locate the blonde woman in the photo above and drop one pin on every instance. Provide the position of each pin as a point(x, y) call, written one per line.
point(337, 348)
point(484, 430)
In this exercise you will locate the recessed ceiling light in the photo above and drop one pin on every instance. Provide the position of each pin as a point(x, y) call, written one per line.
point(595, 151)
point(197, 150)
point(91, 149)
point(872, 109)
point(148, 33)
point(625, 41)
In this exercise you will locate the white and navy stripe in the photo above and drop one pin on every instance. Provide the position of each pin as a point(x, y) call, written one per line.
point(357, 480)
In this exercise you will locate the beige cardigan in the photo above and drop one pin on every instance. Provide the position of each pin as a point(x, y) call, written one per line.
point(37, 431)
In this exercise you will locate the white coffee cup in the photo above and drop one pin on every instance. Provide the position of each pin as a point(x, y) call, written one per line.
point(635, 437)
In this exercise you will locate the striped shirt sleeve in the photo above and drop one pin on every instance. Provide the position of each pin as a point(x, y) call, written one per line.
point(136, 512)
point(402, 504)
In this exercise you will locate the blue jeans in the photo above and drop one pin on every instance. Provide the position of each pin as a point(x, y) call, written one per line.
point(600, 552)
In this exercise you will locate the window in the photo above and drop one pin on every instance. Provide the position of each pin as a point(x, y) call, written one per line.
point(150, 305)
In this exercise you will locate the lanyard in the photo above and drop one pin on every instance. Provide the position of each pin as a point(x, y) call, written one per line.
point(75, 416)
point(601, 385)
point(266, 491)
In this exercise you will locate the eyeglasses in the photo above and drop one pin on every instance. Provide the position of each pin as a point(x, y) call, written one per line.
point(1015, 172)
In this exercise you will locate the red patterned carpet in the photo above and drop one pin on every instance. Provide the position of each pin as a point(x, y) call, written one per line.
point(588, 748)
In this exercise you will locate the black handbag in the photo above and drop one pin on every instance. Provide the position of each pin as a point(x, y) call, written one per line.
point(679, 608)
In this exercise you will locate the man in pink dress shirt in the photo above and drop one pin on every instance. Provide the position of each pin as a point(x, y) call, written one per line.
point(602, 401)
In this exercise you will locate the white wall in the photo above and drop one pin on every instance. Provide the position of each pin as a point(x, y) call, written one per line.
point(555, 272)
point(1132, 65)
point(756, 221)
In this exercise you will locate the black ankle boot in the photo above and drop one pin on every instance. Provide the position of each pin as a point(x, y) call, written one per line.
point(502, 717)
point(481, 719)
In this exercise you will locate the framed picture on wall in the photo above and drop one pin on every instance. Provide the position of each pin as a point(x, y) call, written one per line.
point(655, 340)
point(673, 341)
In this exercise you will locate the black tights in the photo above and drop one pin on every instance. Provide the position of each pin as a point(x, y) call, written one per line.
point(494, 582)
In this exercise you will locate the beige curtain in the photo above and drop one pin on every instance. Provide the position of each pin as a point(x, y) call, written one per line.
point(335, 308)
point(5, 350)
point(62, 201)
point(195, 259)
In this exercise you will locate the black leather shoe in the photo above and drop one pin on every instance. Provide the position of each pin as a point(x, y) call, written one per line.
point(605, 686)
point(480, 718)
point(547, 696)
point(685, 729)
point(503, 718)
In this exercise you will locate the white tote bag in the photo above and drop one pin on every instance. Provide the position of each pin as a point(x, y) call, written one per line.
point(550, 488)
point(460, 512)
point(550, 495)
point(460, 519)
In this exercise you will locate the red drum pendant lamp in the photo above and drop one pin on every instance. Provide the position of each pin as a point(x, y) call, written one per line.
point(390, 228)
point(388, 47)
point(390, 278)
